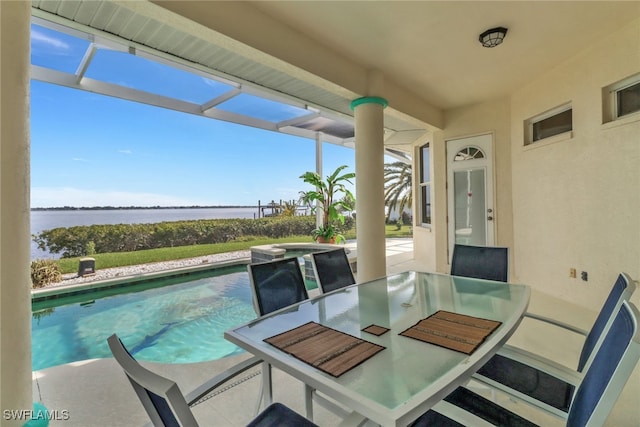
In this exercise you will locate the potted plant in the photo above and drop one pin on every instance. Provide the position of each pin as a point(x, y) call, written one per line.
point(332, 196)
point(327, 234)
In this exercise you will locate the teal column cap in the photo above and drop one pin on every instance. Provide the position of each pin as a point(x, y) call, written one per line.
point(369, 100)
point(40, 416)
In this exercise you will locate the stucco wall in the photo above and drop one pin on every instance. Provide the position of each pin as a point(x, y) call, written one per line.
point(576, 202)
point(573, 203)
point(486, 118)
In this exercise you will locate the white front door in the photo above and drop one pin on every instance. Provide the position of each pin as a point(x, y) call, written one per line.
point(470, 191)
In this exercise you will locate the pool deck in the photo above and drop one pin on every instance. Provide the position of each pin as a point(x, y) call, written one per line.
point(97, 393)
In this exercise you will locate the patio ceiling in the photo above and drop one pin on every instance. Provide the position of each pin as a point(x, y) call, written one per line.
point(432, 48)
point(316, 56)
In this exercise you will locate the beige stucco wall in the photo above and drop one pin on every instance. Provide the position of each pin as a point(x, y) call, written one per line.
point(431, 245)
point(573, 203)
point(576, 202)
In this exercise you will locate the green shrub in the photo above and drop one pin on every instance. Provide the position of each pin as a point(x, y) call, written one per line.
point(44, 272)
point(78, 241)
point(120, 259)
point(90, 248)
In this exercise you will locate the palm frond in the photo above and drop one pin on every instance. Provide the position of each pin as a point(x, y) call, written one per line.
point(397, 189)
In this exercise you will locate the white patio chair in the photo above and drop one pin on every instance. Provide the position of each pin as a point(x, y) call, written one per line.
point(544, 383)
point(275, 285)
point(480, 262)
point(167, 406)
point(601, 385)
point(332, 270)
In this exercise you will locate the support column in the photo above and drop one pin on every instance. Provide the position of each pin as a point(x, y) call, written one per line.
point(319, 172)
point(370, 220)
point(15, 280)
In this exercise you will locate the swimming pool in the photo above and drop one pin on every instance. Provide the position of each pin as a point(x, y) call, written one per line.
point(168, 320)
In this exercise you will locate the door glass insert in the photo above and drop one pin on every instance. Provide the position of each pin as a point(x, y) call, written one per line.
point(468, 153)
point(470, 207)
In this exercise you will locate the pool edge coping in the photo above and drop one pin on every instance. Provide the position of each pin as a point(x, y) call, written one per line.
point(63, 290)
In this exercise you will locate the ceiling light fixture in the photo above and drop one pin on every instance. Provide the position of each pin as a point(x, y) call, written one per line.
point(493, 37)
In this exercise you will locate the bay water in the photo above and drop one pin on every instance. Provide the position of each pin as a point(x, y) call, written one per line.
point(48, 219)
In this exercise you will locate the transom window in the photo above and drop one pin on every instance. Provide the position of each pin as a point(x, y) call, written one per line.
point(621, 99)
point(558, 121)
point(628, 100)
point(468, 153)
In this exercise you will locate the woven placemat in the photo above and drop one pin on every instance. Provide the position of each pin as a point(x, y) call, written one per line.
point(454, 331)
point(326, 349)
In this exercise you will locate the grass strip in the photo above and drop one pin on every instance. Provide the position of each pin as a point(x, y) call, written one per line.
point(123, 259)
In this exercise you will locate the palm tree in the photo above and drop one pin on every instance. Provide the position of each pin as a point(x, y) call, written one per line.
point(397, 186)
point(289, 208)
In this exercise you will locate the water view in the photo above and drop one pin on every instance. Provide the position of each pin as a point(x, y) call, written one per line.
point(48, 219)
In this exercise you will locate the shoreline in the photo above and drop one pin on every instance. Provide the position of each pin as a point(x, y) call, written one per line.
point(129, 208)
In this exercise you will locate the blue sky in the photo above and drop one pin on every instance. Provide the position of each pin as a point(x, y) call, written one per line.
point(93, 150)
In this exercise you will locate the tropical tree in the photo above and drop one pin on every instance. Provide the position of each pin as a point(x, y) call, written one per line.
point(348, 203)
point(397, 186)
point(289, 208)
point(327, 193)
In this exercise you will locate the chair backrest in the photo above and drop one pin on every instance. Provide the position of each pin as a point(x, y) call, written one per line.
point(622, 290)
point(161, 398)
point(606, 376)
point(480, 262)
point(276, 284)
point(332, 270)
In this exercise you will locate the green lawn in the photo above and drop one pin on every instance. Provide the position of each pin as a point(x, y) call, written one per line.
point(121, 259)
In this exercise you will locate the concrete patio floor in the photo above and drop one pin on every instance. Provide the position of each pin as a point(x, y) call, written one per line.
point(97, 393)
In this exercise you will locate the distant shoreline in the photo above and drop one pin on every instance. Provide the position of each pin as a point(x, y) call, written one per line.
point(125, 208)
point(71, 216)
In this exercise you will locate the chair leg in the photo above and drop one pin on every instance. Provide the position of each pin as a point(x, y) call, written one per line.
point(266, 390)
point(259, 402)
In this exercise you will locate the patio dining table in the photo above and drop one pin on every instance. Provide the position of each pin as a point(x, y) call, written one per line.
point(389, 349)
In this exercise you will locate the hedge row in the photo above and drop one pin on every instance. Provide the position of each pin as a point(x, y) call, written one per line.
point(85, 240)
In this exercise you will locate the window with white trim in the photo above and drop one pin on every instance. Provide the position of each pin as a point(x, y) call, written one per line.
point(558, 121)
point(621, 99)
point(425, 185)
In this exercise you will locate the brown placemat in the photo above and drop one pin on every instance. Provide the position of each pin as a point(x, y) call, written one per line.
point(454, 331)
point(326, 349)
point(376, 330)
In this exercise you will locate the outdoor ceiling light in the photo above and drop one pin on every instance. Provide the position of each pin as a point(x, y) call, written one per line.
point(493, 37)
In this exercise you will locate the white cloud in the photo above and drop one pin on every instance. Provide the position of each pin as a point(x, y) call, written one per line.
point(40, 38)
point(79, 159)
point(45, 197)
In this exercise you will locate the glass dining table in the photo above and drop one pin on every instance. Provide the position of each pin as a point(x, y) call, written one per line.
point(392, 347)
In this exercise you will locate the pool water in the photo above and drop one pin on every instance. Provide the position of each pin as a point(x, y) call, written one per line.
point(175, 320)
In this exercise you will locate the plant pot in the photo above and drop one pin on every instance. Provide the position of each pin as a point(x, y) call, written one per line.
point(325, 240)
